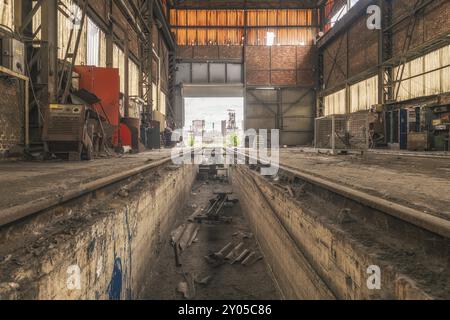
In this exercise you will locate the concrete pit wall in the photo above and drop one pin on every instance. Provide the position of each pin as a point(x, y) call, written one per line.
point(111, 243)
point(313, 257)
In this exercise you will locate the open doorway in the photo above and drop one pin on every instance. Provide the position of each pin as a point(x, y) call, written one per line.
point(214, 121)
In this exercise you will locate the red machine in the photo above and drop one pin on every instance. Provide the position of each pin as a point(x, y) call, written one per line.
point(105, 84)
point(126, 137)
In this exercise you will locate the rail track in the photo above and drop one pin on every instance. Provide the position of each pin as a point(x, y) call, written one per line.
point(11, 215)
point(427, 221)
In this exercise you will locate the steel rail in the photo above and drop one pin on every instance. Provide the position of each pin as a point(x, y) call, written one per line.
point(427, 221)
point(19, 212)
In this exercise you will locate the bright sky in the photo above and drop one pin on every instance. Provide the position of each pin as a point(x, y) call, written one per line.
point(213, 110)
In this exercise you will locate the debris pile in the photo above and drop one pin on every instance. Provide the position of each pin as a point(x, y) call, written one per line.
point(236, 253)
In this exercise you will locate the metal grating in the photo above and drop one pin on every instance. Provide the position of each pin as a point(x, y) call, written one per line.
point(343, 132)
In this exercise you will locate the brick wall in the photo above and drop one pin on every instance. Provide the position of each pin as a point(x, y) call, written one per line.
point(281, 66)
point(357, 46)
point(11, 116)
point(210, 53)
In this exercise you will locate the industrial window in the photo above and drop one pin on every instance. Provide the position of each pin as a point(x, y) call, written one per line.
point(119, 63)
point(69, 16)
point(7, 14)
point(36, 23)
point(93, 44)
point(133, 78)
point(335, 10)
point(364, 94)
point(270, 38)
point(133, 87)
point(226, 27)
point(335, 103)
point(102, 56)
point(162, 107)
point(155, 97)
point(424, 76)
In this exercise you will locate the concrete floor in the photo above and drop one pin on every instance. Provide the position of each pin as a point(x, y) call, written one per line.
point(22, 181)
point(417, 182)
point(228, 282)
point(421, 183)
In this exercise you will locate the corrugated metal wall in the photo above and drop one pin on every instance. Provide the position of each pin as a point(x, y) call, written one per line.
point(226, 27)
point(291, 110)
point(119, 62)
point(364, 95)
point(335, 103)
point(7, 13)
point(425, 76)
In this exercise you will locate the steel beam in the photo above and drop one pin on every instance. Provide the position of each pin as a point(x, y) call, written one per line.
point(49, 50)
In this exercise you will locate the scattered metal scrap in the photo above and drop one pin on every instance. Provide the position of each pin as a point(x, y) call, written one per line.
point(215, 209)
point(233, 253)
point(187, 287)
point(183, 238)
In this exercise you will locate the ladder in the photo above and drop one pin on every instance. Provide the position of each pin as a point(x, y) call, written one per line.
point(65, 77)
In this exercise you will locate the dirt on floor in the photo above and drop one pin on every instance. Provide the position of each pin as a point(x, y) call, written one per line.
point(416, 182)
point(207, 281)
point(22, 181)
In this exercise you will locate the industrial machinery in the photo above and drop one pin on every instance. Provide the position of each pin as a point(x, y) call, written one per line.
point(66, 132)
point(104, 83)
point(13, 54)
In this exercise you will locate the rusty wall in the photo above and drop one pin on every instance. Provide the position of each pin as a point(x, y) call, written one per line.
point(432, 22)
point(353, 53)
point(122, 30)
point(291, 110)
point(210, 53)
point(281, 66)
point(101, 10)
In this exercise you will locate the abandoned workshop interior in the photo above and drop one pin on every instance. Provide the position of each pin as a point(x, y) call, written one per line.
point(224, 150)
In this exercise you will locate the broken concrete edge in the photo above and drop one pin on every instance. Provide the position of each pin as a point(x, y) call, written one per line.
point(420, 219)
point(101, 246)
point(398, 285)
point(10, 215)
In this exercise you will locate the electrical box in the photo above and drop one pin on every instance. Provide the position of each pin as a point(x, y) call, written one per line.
point(13, 55)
